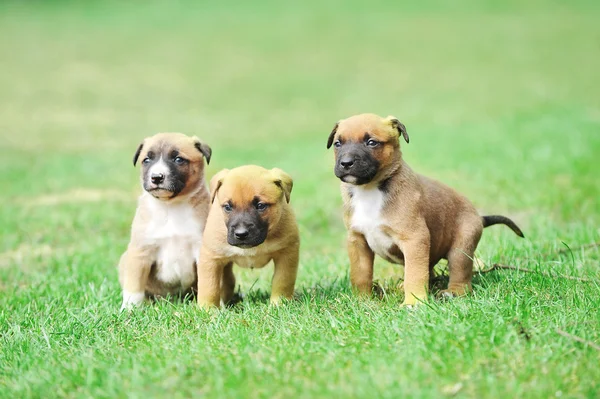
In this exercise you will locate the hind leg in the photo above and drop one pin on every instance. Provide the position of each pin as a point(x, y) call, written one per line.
point(460, 259)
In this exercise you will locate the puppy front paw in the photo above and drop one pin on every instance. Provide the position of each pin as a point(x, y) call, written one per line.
point(132, 299)
point(412, 300)
point(455, 290)
point(277, 300)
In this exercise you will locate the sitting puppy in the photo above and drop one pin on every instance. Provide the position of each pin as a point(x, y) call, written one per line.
point(404, 217)
point(250, 223)
point(166, 233)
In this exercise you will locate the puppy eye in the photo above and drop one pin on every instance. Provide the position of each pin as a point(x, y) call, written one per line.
point(261, 206)
point(337, 144)
point(179, 160)
point(146, 160)
point(372, 143)
point(227, 208)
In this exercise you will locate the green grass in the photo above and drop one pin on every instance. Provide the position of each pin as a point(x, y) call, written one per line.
point(501, 101)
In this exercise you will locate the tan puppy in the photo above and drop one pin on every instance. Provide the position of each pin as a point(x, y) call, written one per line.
point(250, 223)
point(404, 217)
point(166, 233)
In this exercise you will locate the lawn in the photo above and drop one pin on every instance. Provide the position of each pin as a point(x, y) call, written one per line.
point(501, 101)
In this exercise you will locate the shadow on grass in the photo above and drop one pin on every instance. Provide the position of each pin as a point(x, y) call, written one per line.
point(322, 291)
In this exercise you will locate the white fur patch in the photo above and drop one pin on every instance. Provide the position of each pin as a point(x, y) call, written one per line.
point(132, 299)
point(177, 232)
point(159, 167)
point(231, 251)
point(367, 204)
point(172, 220)
point(255, 257)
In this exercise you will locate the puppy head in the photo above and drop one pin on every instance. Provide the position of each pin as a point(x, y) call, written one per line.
point(365, 145)
point(172, 164)
point(252, 200)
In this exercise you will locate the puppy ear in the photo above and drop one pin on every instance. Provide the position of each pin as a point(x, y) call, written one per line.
point(137, 153)
point(332, 134)
point(396, 124)
point(216, 182)
point(284, 181)
point(203, 148)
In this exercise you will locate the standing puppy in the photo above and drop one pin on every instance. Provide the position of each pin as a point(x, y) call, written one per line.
point(166, 233)
point(404, 217)
point(250, 223)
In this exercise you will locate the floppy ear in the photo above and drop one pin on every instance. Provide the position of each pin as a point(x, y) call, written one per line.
point(396, 124)
point(284, 181)
point(203, 148)
point(332, 134)
point(137, 153)
point(216, 182)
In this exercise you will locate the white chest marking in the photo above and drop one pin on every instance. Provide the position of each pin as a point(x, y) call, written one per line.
point(177, 233)
point(256, 257)
point(367, 205)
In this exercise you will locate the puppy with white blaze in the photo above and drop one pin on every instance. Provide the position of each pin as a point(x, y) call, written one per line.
point(402, 216)
point(166, 233)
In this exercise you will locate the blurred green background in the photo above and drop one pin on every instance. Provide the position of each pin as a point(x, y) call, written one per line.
point(501, 101)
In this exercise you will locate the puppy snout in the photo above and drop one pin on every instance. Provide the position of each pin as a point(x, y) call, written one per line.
point(241, 233)
point(157, 178)
point(247, 233)
point(347, 162)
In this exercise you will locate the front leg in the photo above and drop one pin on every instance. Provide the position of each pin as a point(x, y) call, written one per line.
point(210, 274)
point(361, 263)
point(134, 269)
point(228, 284)
point(416, 269)
point(284, 277)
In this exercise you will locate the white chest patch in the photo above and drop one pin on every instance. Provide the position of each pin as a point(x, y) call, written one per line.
point(256, 257)
point(177, 233)
point(367, 205)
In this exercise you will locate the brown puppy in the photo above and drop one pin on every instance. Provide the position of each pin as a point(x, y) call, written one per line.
point(404, 217)
point(250, 223)
point(166, 233)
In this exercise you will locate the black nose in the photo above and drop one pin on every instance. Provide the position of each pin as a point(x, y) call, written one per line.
point(241, 233)
point(347, 162)
point(157, 178)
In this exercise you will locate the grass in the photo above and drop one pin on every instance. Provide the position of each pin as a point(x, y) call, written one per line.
point(501, 102)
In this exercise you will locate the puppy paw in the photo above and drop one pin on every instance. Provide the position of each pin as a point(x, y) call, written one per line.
point(237, 298)
point(279, 300)
point(446, 295)
point(451, 292)
point(378, 290)
point(411, 301)
point(209, 304)
point(132, 299)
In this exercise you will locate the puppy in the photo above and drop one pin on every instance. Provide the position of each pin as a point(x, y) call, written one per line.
point(250, 223)
point(166, 233)
point(404, 217)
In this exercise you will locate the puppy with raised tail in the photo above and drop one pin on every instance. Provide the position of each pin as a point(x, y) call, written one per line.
point(249, 224)
point(166, 233)
point(404, 217)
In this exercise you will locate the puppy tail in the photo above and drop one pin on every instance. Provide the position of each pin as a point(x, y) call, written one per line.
point(497, 219)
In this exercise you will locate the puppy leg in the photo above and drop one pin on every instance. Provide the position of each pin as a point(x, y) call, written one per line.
point(284, 277)
point(228, 284)
point(416, 269)
point(210, 275)
point(134, 269)
point(460, 260)
point(361, 263)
